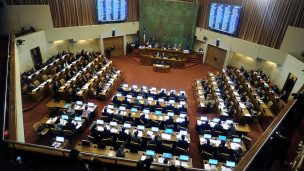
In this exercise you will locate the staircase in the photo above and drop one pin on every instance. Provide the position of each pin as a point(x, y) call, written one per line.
point(134, 55)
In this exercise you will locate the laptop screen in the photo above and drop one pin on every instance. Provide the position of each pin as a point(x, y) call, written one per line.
point(60, 139)
point(150, 152)
point(118, 94)
point(140, 127)
point(139, 97)
point(122, 108)
point(158, 112)
point(229, 121)
point(90, 104)
point(161, 100)
point(204, 118)
point(236, 140)
point(150, 98)
point(230, 163)
point(184, 157)
point(171, 101)
point(207, 135)
point(170, 114)
point(134, 86)
point(182, 102)
point(146, 111)
point(155, 129)
point(182, 115)
point(110, 107)
point(125, 85)
point(222, 137)
point(129, 96)
point(167, 155)
point(183, 133)
point(127, 125)
point(212, 161)
point(79, 103)
point(77, 118)
point(99, 122)
point(65, 117)
point(216, 119)
point(134, 109)
point(169, 131)
point(113, 123)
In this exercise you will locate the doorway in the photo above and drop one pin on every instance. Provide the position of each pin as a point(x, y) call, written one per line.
point(289, 83)
point(216, 56)
point(36, 57)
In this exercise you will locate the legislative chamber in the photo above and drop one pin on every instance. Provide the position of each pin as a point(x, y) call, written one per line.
point(151, 85)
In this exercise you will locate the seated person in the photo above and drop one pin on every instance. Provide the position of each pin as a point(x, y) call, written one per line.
point(116, 101)
point(169, 121)
point(105, 134)
point(182, 143)
point(222, 148)
point(70, 126)
point(156, 140)
point(184, 123)
point(122, 135)
point(248, 105)
point(182, 97)
point(30, 86)
point(129, 118)
point(71, 110)
point(218, 127)
point(162, 94)
point(284, 96)
point(182, 109)
point(230, 112)
point(135, 138)
point(207, 147)
point(204, 126)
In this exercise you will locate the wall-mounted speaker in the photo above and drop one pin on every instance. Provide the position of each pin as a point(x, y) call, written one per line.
point(217, 42)
point(113, 32)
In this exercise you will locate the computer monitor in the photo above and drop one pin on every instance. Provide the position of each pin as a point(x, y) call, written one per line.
point(133, 109)
point(118, 94)
point(90, 104)
point(222, 137)
point(150, 98)
point(183, 132)
point(125, 85)
point(144, 87)
point(77, 118)
point(204, 118)
point(134, 86)
point(184, 157)
point(113, 123)
point(216, 120)
point(155, 129)
point(65, 117)
point(167, 155)
point(150, 152)
point(146, 111)
point(236, 140)
point(182, 115)
point(59, 139)
point(158, 112)
point(127, 125)
point(129, 96)
point(123, 108)
point(110, 106)
point(171, 101)
point(140, 127)
point(161, 100)
point(229, 121)
point(207, 136)
point(99, 122)
point(182, 103)
point(213, 161)
point(139, 97)
point(79, 103)
point(170, 113)
point(230, 163)
point(169, 131)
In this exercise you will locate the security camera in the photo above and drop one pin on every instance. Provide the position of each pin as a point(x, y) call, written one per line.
point(20, 42)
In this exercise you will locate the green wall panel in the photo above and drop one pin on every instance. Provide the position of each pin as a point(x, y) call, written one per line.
point(167, 20)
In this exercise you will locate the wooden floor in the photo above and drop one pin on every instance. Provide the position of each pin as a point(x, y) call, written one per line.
point(134, 73)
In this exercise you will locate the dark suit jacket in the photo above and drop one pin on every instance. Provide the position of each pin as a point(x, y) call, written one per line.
point(182, 144)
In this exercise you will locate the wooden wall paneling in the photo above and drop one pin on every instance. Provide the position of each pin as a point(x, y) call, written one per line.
point(215, 56)
point(117, 43)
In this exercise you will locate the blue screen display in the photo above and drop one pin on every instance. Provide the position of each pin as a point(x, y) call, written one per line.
point(111, 10)
point(224, 18)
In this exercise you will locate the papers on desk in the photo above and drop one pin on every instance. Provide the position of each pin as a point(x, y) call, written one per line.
point(56, 144)
point(184, 164)
point(166, 136)
point(178, 120)
point(114, 130)
point(210, 167)
point(242, 105)
point(215, 142)
point(223, 168)
point(235, 146)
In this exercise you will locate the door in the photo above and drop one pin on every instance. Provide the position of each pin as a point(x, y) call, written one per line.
point(114, 45)
point(36, 56)
point(289, 83)
point(215, 56)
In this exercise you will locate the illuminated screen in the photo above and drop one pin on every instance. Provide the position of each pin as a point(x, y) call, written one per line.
point(224, 18)
point(111, 10)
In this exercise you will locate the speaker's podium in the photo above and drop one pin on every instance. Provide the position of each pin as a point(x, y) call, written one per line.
point(161, 68)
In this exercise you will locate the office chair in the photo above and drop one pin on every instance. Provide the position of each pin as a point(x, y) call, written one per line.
point(223, 157)
point(40, 129)
point(206, 155)
point(152, 146)
point(92, 139)
point(247, 141)
point(68, 134)
point(118, 143)
point(134, 147)
point(107, 141)
point(166, 148)
point(181, 151)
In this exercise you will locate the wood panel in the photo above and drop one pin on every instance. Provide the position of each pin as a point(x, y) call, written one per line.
point(117, 43)
point(216, 56)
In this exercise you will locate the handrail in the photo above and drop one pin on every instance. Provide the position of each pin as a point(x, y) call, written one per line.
point(253, 151)
point(4, 111)
point(62, 152)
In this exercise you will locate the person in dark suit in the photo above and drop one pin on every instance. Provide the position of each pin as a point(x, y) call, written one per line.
point(68, 76)
point(182, 97)
point(55, 91)
point(122, 136)
point(182, 143)
point(95, 133)
point(70, 126)
point(156, 141)
point(161, 94)
point(284, 96)
point(136, 138)
point(169, 107)
point(116, 101)
point(207, 147)
point(222, 148)
point(129, 118)
point(230, 112)
point(169, 121)
point(184, 123)
point(217, 127)
point(182, 109)
point(105, 133)
point(204, 126)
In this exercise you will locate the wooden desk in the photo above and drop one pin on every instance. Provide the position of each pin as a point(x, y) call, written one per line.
point(111, 87)
point(109, 152)
point(161, 68)
point(150, 60)
point(54, 104)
